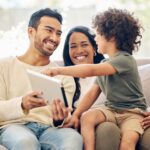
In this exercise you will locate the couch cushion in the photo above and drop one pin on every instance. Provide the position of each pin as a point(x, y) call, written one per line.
point(144, 72)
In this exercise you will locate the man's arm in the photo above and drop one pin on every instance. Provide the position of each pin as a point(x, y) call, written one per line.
point(18, 107)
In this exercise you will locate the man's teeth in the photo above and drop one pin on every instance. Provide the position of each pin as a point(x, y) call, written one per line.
point(50, 44)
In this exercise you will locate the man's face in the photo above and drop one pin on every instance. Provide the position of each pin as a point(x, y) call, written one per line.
point(47, 35)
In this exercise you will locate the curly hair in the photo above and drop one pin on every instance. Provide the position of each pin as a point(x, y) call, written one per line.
point(121, 25)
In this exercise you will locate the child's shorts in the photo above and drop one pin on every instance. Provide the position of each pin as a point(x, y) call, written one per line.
point(126, 119)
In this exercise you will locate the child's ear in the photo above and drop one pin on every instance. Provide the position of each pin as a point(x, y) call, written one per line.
point(112, 39)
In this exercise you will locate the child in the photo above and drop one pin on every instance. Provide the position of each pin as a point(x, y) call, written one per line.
point(118, 35)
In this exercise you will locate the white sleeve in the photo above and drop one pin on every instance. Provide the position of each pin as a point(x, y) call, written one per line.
point(9, 108)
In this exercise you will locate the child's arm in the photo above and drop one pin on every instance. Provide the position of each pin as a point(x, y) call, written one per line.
point(88, 99)
point(85, 103)
point(84, 70)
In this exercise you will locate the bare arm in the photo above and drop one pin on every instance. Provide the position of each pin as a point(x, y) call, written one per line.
point(85, 103)
point(88, 99)
point(84, 70)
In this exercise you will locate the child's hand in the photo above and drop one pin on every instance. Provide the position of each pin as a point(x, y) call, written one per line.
point(146, 122)
point(72, 122)
point(51, 72)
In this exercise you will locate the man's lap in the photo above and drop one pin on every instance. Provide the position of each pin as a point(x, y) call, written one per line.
point(41, 135)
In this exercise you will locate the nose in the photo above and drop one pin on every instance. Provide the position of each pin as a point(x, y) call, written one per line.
point(79, 49)
point(54, 37)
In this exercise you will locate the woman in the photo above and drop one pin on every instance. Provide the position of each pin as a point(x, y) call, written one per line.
point(80, 48)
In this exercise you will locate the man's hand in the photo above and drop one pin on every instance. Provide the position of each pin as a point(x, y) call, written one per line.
point(51, 72)
point(33, 100)
point(146, 121)
point(59, 111)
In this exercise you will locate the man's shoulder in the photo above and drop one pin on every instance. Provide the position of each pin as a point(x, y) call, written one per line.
point(7, 60)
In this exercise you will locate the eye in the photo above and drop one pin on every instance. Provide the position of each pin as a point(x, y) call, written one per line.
point(49, 30)
point(58, 33)
point(72, 46)
point(85, 45)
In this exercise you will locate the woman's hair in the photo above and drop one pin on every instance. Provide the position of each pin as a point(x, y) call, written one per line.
point(120, 25)
point(66, 57)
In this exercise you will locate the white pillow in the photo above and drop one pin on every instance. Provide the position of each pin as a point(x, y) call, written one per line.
point(144, 72)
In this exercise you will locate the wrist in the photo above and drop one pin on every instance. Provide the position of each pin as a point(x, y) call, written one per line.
point(76, 114)
point(59, 70)
point(23, 108)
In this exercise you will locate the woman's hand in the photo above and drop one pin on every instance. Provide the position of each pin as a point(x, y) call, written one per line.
point(146, 121)
point(59, 111)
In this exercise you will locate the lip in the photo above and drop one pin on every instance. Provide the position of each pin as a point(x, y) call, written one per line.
point(50, 45)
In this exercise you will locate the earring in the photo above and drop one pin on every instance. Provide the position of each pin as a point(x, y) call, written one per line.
point(95, 53)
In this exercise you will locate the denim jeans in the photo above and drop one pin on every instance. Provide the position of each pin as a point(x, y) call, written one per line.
point(36, 136)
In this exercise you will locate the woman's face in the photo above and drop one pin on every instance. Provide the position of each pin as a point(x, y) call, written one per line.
point(81, 50)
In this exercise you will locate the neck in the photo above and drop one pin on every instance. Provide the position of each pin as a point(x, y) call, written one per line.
point(34, 59)
point(112, 50)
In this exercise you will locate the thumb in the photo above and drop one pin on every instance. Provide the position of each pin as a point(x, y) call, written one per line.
point(37, 93)
point(145, 113)
point(67, 125)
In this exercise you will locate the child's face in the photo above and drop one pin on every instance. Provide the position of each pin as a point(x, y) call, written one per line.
point(101, 43)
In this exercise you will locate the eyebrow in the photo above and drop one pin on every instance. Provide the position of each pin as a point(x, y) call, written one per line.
point(49, 27)
point(81, 42)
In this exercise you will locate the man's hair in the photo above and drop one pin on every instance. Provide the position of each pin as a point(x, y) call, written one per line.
point(35, 17)
point(120, 25)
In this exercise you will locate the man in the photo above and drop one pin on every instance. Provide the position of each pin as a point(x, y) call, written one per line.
point(25, 117)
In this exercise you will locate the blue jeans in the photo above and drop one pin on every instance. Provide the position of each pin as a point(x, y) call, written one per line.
point(36, 136)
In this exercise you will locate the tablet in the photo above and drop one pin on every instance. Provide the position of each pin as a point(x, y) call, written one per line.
point(50, 86)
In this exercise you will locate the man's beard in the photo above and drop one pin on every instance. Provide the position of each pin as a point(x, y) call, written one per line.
point(39, 47)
